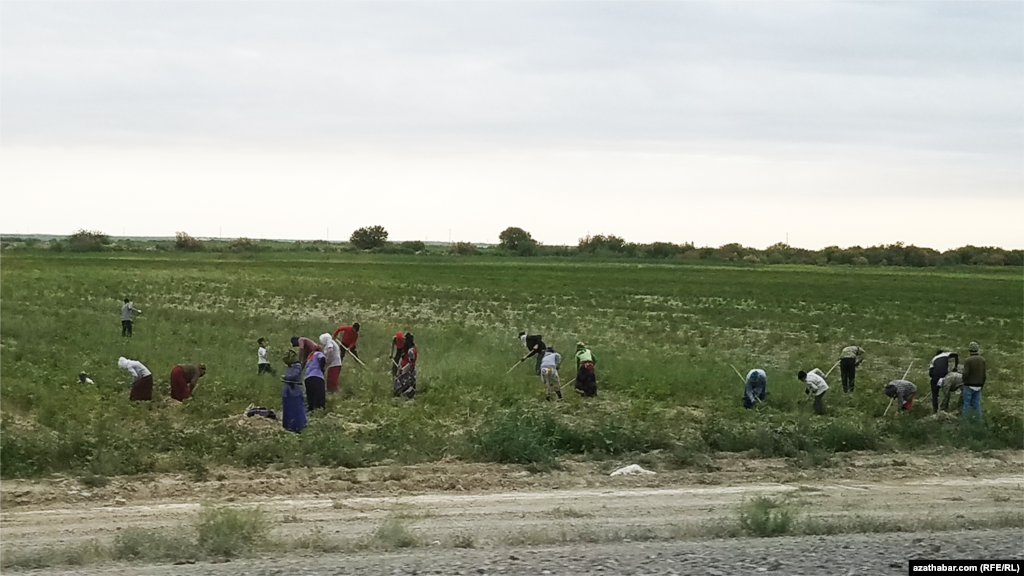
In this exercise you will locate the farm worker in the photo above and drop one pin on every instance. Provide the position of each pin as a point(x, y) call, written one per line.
point(293, 412)
point(974, 379)
point(405, 375)
point(316, 393)
point(549, 364)
point(535, 345)
point(937, 370)
point(849, 359)
point(142, 379)
point(756, 387)
point(306, 347)
point(349, 337)
point(397, 344)
point(903, 391)
point(84, 378)
point(333, 354)
point(128, 312)
point(262, 363)
point(184, 378)
point(586, 380)
point(951, 383)
point(815, 380)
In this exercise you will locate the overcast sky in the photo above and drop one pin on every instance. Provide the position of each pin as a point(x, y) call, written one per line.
point(710, 122)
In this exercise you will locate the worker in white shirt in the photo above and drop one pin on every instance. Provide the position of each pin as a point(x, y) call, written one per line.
point(815, 380)
point(142, 379)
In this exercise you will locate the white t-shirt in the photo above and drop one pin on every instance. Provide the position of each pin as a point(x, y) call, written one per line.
point(332, 353)
point(137, 370)
point(262, 356)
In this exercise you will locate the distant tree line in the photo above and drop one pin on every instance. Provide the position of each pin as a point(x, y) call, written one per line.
point(514, 241)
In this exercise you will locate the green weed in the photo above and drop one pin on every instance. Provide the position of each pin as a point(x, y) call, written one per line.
point(227, 532)
point(764, 517)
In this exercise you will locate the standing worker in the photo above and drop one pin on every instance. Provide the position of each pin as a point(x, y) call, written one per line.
point(974, 379)
point(756, 387)
point(262, 363)
point(405, 375)
point(349, 337)
point(903, 391)
point(586, 380)
point(849, 359)
point(937, 370)
point(128, 312)
point(549, 364)
point(293, 411)
point(184, 378)
point(333, 355)
point(535, 345)
point(142, 379)
point(815, 380)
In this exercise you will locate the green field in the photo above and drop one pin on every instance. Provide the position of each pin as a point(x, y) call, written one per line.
point(664, 336)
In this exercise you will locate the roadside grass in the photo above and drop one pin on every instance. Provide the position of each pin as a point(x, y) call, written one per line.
point(664, 337)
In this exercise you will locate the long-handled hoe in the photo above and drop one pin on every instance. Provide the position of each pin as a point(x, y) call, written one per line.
point(831, 369)
point(514, 366)
point(345, 348)
point(744, 380)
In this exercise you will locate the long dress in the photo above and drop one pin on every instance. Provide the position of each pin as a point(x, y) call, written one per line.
point(405, 379)
point(293, 409)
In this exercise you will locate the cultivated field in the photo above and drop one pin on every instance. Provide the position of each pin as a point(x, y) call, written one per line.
point(664, 336)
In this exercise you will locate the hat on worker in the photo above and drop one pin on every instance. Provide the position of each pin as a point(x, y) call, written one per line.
point(973, 347)
point(290, 357)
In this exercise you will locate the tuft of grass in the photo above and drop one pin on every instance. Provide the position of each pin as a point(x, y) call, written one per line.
point(394, 534)
point(153, 546)
point(76, 555)
point(765, 517)
point(226, 532)
point(463, 541)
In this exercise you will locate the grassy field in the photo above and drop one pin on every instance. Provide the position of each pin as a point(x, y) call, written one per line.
point(664, 336)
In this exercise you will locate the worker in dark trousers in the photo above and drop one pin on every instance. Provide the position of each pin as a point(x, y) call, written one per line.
point(849, 359)
point(938, 370)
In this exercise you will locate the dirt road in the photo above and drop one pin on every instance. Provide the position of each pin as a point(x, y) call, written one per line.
point(492, 508)
point(841, 555)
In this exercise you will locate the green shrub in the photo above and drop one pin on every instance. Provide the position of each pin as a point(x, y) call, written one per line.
point(516, 436)
point(765, 517)
point(226, 532)
point(135, 544)
point(394, 534)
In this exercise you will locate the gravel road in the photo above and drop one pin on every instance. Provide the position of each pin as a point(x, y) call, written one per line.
point(843, 555)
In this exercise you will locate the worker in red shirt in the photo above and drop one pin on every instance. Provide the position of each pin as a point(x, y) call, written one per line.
point(349, 336)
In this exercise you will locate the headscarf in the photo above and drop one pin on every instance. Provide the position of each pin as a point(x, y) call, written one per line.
point(290, 357)
point(973, 348)
point(326, 340)
point(122, 362)
point(580, 346)
point(399, 340)
point(409, 342)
